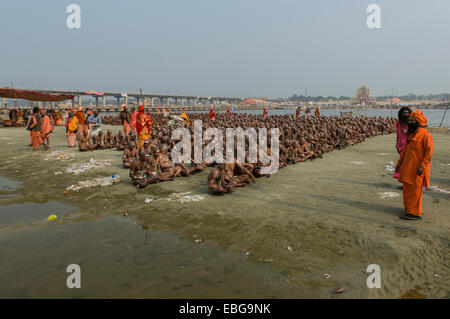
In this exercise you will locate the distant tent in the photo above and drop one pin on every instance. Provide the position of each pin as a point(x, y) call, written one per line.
point(92, 92)
point(33, 96)
point(248, 101)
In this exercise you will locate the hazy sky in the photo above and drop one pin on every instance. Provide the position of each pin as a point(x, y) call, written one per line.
point(229, 48)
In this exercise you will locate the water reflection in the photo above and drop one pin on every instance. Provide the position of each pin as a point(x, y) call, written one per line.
point(116, 262)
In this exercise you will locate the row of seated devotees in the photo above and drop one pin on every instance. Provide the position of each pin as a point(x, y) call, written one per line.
point(107, 141)
point(300, 139)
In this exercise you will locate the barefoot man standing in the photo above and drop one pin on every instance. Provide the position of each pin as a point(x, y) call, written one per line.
point(125, 117)
point(143, 125)
point(35, 127)
point(415, 161)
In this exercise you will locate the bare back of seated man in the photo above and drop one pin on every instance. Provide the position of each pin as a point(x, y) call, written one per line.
point(216, 183)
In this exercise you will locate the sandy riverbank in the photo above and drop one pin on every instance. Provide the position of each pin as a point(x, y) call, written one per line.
point(329, 215)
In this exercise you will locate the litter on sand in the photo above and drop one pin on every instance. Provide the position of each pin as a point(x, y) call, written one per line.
point(58, 173)
point(52, 217)
point(388, 195)
point(148, 200)
point(356, 162)
point(100, 181)
point(438, 190)
point(92, 164)
point(390, 167)
point(60, 156)
point(184, 197)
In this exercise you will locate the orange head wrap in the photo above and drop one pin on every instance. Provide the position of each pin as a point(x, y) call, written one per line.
point(141, 108)
point(419, 117)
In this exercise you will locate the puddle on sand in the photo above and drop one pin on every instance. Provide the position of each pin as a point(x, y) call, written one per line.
point(120, 259)
point(23, 213)
point(8, 185)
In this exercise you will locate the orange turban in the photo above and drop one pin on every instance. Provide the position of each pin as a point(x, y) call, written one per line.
point(419, 117)
point(141, 108)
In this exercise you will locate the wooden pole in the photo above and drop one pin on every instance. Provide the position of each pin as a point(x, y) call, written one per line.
point(444, 116)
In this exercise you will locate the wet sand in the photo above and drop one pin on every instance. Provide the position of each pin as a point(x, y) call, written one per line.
point(280, 235)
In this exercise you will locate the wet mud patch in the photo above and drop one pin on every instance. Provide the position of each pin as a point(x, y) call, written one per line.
point(120, 259)
point(8, 185)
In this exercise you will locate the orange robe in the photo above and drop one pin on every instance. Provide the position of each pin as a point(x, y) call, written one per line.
point(126, 127)
point(36, 139)
point(418, 152)
point(71, 127)
point(133, 121)
point(317, 111)
point(143, 125)
point(80, 117)
point(45, 127)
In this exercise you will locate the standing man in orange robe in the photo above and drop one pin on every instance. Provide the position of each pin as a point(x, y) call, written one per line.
point(125, 117)
point(134, 115)
point(81, 121)
point(415, 162)
point(45, 127)
point(35, 128)
point(143, 126)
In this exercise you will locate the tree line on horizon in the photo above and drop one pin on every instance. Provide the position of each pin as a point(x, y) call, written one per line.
point(408, 97)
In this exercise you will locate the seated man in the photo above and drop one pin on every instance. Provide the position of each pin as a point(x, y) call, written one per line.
point(98, 140)
point(120, 141)
point(84, 143)
point(108, 140)
point(165, 169)
point(216, 182)
point(129, 156)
